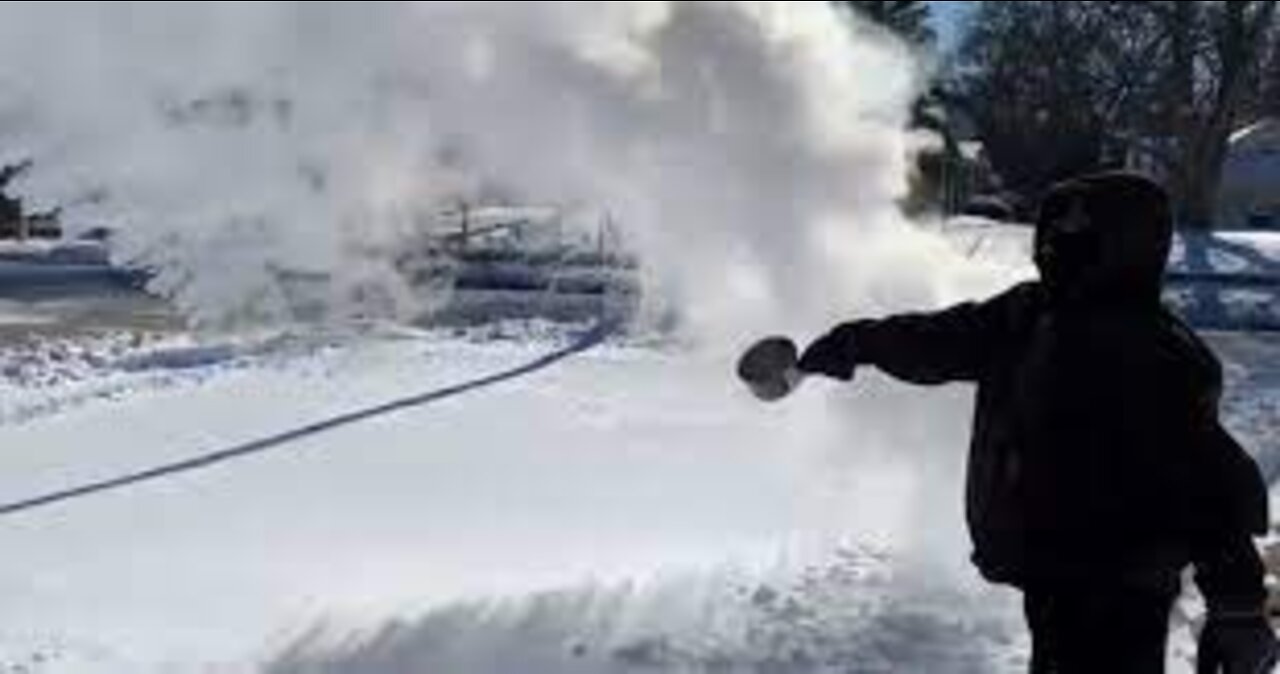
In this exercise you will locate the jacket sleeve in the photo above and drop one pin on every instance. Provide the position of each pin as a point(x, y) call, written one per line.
point(954, 344)
point(1229, 570)
point(1231, 504)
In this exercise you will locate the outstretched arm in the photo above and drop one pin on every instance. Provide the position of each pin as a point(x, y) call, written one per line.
point(955, 344)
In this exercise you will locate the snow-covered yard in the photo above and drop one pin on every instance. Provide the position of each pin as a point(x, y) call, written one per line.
point(626, 462)
point(1222, 280)
point(505, 493)
point(627, 508)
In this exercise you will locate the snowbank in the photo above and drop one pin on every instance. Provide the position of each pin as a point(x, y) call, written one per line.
point(1220, 280)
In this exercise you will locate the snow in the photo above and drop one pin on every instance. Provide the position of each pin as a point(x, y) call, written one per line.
point(1218, 253)
point(852, 613)
point(629, 507)
point(57, 252)
point(597, 469)
point(1228, 253)
point(1251, 399)
point(626, 507)
point(1220, 280)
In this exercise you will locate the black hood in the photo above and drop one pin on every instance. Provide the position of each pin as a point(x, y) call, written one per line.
point(1104, 239)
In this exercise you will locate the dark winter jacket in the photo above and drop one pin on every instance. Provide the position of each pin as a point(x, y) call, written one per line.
point(1097, 453)
point(1096, 450)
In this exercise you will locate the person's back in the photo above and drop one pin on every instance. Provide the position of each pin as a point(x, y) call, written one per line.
point(1097, 469)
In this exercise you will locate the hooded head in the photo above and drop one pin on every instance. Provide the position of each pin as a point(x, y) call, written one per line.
point(1104, 239)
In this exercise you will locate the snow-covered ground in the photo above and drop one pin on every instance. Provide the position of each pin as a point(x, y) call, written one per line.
point(1222, 280)
point(627, 508)
point(623, 463)
point(1219, 253)
point(493, 499)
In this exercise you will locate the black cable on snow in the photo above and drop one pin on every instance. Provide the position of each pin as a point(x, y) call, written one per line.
point(583, 342)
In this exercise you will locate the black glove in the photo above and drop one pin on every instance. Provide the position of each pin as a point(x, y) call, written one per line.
point(832, 355)
point(1236, 644)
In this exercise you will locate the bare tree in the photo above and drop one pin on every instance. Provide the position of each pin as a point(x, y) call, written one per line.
point(1035, 78)
point(1215, 54)
point(908, 18)
point(1057, 88)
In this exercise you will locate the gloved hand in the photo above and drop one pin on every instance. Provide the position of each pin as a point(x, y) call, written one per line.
point(832, 355)
point(1236, 644)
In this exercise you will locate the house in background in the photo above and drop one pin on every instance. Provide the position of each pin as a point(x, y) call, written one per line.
point(1249, 191)
point(952, 173)
point(17, 224)
point(1249, 195)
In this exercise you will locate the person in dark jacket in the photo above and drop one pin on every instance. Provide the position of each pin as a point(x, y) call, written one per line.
point(1098, 469)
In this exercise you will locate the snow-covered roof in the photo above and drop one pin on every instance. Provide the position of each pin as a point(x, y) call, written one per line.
point(1263, 135)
